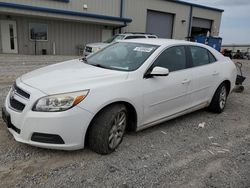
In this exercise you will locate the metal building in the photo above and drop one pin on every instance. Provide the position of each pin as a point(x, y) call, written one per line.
point(63, 27)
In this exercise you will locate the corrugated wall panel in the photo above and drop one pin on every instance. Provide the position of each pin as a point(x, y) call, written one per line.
point(0, 40)
point(66, 35)
point(210, 15)
point(137, 9)
point(105, 7)
point(139, 15)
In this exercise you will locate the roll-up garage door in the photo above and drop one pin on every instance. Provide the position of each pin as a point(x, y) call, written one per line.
point(201, 26)
point(160, 24)
point(202, 23)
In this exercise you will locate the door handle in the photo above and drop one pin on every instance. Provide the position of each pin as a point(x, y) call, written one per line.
point(215, 73)
point(186, 81)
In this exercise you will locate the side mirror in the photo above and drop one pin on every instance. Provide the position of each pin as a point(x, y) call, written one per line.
point(159, 71)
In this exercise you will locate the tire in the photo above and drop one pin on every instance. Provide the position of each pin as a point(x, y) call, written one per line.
point(219, 100)
point(106, 133)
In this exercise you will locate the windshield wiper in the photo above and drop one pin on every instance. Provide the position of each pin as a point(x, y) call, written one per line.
point(101, 66)
point(84, 59)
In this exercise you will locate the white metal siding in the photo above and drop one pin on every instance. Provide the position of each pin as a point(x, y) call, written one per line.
point(215, 16)
point(69, 31)
point(137, 10)
point(105, 7)
point(66, 35)
point(11, 11)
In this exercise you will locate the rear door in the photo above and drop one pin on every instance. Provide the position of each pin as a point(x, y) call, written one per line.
point(167, 95)
point(204, 75)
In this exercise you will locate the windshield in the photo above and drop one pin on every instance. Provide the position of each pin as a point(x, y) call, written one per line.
point(115, 38)
point(124, 56)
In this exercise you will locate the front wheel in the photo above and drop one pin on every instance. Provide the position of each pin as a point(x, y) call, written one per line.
point(219, 99)
point(107, 129)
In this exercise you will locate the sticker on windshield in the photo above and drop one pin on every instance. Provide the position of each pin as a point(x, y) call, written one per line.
point(143, 49)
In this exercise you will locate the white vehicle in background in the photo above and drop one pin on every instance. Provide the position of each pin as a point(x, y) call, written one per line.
point(129, 85)
point(94, 47)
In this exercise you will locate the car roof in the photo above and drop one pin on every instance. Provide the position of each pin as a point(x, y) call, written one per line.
point(162, 42)
point(172, 42)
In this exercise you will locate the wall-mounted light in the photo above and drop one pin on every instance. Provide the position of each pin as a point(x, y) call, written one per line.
point(85, 7)
point(183, 21)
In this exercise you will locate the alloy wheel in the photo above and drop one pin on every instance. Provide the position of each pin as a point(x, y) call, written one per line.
point(223, 97)
point(117, 130)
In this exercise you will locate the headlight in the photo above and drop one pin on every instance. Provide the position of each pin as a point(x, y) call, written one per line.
point(95, 49)
point(60, 102)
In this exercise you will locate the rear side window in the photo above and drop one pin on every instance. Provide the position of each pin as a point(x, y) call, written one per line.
point(135, 37)
point(199, 56)
point(173, 59)
point(212, 59)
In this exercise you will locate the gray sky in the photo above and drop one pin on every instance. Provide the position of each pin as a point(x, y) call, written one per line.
point(235, 25)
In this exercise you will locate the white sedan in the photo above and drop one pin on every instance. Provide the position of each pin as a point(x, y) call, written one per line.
point(130, 85)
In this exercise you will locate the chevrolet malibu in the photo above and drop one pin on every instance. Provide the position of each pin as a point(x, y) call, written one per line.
point(130, 85)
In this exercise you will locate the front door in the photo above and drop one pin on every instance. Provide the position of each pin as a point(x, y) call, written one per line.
point(167, 95)
point(9, 36)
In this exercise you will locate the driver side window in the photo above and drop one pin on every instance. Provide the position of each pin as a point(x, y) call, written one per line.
point(173, 59)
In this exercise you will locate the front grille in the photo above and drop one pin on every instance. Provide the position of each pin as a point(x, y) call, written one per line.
point(21, 92)
point(16, 105)
point(88, 49)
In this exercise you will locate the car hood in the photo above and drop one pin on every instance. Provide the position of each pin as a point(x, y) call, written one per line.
point(69, 76)
point(98, 45)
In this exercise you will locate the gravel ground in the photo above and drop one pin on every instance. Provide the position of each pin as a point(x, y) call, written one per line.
point(173, 154)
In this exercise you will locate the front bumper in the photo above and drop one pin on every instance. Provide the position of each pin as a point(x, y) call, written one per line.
point(70, 126)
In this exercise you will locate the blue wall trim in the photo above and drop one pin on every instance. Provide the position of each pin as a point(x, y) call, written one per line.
point(65, 12)
point(196, 5)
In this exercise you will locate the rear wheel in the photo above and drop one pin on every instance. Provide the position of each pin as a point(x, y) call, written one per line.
point(107, 129)
point(219, 100)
